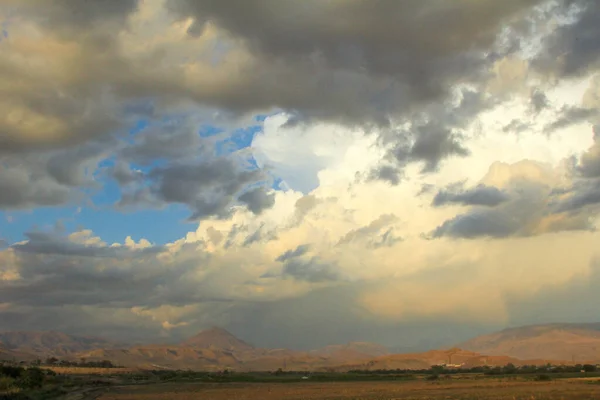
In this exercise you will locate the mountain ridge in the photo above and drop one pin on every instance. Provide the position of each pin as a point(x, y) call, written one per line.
point(216, 348)
point(51, 343)
point(563, 341)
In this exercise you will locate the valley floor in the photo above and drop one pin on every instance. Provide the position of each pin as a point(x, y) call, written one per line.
point(472, 389)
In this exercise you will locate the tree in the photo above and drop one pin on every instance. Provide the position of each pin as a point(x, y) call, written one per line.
point(589, 368)
point(31, 378)
point(510, 368)
point(51, 360)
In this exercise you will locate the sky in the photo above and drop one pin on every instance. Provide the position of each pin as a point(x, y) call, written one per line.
point(302, 173)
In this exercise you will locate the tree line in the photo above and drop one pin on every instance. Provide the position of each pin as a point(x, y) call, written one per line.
point(508, 369)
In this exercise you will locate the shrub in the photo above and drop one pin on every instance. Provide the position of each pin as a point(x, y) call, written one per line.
point(11, 372)
point(31, 378)
point(6, 382)
point(543, 377)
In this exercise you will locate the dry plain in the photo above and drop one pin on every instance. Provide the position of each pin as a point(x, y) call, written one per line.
point(456, 389)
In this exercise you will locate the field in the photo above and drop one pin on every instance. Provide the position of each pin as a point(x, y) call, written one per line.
point(411, 390)
point(91, 371)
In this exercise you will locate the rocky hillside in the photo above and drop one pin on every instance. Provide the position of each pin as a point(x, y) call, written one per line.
point(217, 338)
point(46, 344)
point(571, 342)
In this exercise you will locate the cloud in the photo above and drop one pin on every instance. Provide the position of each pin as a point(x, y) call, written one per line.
point(572, 48)
point(590, 161)
point(171, 141)
point(424, 62)
point(208, 188)
point(480, 195)
point(49, 178)
point(297, 252)
point(123, 173)
point(378, 233)
point(49, 243)
point(585, 191)
point(528, 192)
point(312, 270)
point(257, 199)
point(74, 15)
point(359, 120)
point(516, 126)
point(539, 101)
point(569, 116)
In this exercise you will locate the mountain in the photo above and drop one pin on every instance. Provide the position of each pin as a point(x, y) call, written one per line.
point(426, 359)
point(217, 338)
point(572, 342)
point(11, 355)
point(216, 348)
point(351, 351)
point(46, 344)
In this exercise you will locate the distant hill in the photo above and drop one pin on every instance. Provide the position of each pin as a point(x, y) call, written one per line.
point(426, 359)
point(571, 342)
point(216, 349)
point(217, 338)
point(10, 355)
point(45, 344)
point(351, 351)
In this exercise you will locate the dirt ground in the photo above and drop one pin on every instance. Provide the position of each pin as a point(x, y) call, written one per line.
point(511, 390)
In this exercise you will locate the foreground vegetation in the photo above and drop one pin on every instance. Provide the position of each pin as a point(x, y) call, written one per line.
point(454, 389)
point(37, 383)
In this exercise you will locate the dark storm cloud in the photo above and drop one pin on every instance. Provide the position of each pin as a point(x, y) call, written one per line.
point(388, 173)
point(261, 235)
point(20, 188)
point(573, 49)
point(297, 252)
point(80, 14)
point(429, 143)
point(123, 174)
point(312, 270)
point(380, 64)
point(433, 144)
point(301, 268)
point(207, 188)
point(479, 223)
point(568, 116)
point(383, 38)
point(516, 126)
point(50, 243)
point(538, 101)
point(166, 142)
point(387, 52)
point(583, 194)
point(71, 167)
point(527, 211)
point(61, 272)
point(480, 195)
point(49, 178)
point(589, 166)
point(435, 133)
point(257, 200)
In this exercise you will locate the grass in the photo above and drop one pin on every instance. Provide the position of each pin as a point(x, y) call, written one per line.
point(490, 389)
point(182, 385)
